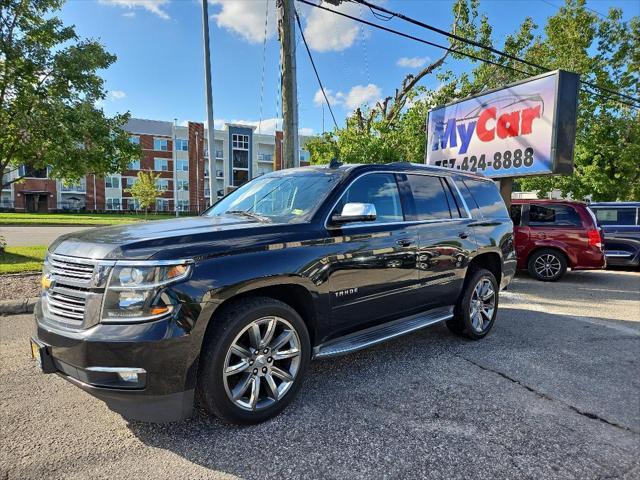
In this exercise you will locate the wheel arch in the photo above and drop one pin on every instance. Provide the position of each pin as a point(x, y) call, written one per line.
point(292, 293)
point(491, 261)
point(552, 246)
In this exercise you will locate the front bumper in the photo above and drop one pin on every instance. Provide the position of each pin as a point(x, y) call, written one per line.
point(165, 352)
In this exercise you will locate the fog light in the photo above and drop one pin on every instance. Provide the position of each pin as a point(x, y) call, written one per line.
point(128, 376)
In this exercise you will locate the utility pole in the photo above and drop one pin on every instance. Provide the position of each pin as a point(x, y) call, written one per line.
point(213, 190)
point(287, 34)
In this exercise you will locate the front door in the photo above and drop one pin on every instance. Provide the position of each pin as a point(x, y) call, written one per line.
point(43, 203)
point(372, 276)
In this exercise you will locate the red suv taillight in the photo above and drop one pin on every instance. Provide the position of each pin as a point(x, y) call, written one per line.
point(595, 240)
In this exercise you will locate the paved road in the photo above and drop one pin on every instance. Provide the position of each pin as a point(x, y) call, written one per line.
point(26, 235)
point(552, 392)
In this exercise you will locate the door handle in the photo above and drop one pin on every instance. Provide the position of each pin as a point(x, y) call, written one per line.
point(404, 242)
point(464, 234)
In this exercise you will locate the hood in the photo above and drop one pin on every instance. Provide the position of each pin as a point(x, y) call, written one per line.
point(155, 238)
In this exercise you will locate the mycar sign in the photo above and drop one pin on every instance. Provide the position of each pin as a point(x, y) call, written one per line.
point(527, 128)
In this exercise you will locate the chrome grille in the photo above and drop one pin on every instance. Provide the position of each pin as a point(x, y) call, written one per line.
point(66, 299)
point(68, 308)
point(70, 269)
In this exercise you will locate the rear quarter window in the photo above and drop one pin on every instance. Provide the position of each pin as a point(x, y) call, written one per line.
point(553, 215)
point(487, 197)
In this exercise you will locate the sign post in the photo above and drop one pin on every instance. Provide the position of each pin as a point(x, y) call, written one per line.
point(524, 129)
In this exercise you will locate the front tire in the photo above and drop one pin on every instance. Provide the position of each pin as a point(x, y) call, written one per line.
point(476, 311)
point(254, 362)
point(547, 265)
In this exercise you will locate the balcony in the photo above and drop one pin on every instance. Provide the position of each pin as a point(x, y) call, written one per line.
point(77, 188)
point(265, 157)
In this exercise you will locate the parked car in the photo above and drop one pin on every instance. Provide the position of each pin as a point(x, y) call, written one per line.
point(294, 265)
point(553, 235)
point(620, 222)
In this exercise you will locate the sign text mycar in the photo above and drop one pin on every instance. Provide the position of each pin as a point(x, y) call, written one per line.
point(526, 128)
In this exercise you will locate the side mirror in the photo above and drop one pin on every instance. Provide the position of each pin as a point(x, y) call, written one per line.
point(355, 212)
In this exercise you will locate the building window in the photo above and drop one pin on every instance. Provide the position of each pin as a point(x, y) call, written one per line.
point(112, 182)
point(183, 205)
point(161, 144)
point(182, 165)
point(135, 165)
point(134, 139)
point(182, 144)
point(112, 203)
point(265, 157)
point(240, 141)
point(161, 164)
point(183, 185)
point(162, 184)
point(219, 154)
point(162, 204)
point(133, 204)
point(129, 181)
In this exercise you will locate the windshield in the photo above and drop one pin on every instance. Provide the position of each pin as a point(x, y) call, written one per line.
point(281, 198)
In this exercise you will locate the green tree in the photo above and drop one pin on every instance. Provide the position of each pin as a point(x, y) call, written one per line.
point(604, 51)
point(145, 190)
point(50, 94)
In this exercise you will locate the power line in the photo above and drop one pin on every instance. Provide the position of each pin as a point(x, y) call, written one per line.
point(313, 64)
point(484, 47)
point(453, 50)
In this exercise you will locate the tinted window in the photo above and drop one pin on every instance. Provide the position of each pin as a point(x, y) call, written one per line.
point(468, 199)
point(516, 215)
point(430, 197)
point(381, 190)
point(488, 198)
point(559, 215)
point(615, 216)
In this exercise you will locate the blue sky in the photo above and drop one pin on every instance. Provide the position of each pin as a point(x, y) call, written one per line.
point(159, 72)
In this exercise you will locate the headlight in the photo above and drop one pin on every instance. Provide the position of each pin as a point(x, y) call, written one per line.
point(135, 291)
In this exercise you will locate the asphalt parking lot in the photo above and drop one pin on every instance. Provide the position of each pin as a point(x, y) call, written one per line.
point(552, 392)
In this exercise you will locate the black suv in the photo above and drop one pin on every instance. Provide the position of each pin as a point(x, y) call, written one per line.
point(298, 264)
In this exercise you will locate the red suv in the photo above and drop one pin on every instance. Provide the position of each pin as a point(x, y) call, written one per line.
point(551, 235)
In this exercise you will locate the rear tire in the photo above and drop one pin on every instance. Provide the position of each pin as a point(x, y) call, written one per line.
point(254, 361)
point(476, 311)
point(547, 265)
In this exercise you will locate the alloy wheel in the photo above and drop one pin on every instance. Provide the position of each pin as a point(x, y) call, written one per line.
point(262, 363)
point(547, 266)
point(482, 305)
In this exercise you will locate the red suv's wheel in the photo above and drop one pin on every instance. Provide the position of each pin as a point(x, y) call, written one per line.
point(547, 265)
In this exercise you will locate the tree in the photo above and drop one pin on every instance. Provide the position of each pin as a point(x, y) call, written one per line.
point(50, 94)
point(145, 190)
point(604, 51)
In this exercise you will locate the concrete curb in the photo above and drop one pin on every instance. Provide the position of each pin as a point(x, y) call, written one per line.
point(14, 307)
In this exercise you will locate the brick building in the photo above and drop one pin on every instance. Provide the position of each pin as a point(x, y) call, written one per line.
point(178, 154)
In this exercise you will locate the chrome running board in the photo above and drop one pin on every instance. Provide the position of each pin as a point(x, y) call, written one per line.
point(381, 333)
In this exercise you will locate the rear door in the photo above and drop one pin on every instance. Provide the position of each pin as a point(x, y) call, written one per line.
point(445, 238)
point(372, 275)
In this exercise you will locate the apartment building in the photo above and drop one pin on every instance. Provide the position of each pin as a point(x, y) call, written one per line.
point(179, 155)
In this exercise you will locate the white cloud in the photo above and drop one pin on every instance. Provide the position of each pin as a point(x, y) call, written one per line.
point(117, 95)
point(129, 14)
point(362, 94)
point(328, 32)
point(305, 131)
point(412, 62)
point(318, 98)
point(246, 18)
point(153, 6)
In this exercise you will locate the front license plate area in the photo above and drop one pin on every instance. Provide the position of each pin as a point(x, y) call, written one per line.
point(42, 356)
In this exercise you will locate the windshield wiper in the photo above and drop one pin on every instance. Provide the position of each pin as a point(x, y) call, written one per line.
point(247, 214)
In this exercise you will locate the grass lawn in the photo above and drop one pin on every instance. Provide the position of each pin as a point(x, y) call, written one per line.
point(76, 218)
point(22, 259)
